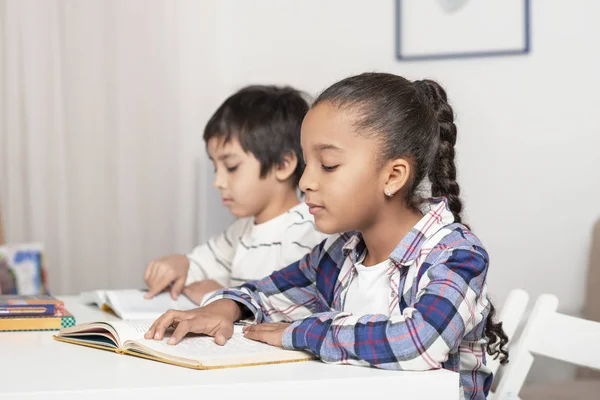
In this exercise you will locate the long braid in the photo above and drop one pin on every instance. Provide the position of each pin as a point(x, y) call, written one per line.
point(442, 175)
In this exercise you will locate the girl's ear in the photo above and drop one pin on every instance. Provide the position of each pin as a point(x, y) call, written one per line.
point(286, 167)
point(397, 176)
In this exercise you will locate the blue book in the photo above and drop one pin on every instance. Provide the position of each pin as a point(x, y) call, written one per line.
point(35, 305)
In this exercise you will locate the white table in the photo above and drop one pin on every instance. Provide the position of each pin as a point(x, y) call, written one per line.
point(34, 366)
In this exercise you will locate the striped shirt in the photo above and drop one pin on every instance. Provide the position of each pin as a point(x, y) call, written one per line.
point(438, 303)
point(247, 251)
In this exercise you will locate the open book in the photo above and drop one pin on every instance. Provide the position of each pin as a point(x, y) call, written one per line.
point(198, 352)
point(131, 304)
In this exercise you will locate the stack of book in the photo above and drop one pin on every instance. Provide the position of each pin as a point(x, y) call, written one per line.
point(33, 313)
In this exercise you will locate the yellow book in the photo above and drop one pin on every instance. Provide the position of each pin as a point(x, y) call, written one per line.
point(197, 352)
point(36, 323)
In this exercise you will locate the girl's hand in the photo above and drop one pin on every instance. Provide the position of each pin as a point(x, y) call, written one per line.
point(216, 320)
point(267, 333)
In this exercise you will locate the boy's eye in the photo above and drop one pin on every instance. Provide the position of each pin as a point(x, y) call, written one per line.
point(232, 169)
point(329, 168)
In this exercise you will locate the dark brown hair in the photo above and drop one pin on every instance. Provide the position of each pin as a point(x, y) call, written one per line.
point(266, 120)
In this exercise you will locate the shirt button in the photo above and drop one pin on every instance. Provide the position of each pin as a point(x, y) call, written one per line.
point(392, 294)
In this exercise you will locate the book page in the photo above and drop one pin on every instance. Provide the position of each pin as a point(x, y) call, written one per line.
point(131, 330)
point(118, 331)
point(203, 350)
point(97, 297)
point(131, 304)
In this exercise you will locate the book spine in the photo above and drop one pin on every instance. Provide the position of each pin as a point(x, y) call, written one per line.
point(36, 324)
point(30, 324)
point(27, 309)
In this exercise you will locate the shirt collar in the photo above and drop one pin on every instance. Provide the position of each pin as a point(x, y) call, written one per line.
point(436, 215)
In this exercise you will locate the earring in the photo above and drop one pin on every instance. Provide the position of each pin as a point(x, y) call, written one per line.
point(388, 193)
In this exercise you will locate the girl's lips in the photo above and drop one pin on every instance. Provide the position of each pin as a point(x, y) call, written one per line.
point(314, 208)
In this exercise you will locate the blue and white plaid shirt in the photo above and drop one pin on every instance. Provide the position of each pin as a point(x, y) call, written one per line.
point(438, 305)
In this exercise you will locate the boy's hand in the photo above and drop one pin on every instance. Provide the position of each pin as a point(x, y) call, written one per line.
point(162, 272)
point(197, 290)
point(215, 319)
point(267, 333)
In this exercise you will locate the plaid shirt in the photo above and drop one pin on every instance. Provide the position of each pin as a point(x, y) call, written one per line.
point(438, 304)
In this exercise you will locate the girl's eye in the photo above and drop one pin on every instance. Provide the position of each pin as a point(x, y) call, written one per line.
point(327, 168)
point(232, 169)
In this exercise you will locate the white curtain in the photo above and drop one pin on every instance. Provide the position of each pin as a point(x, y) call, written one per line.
point(102, 105)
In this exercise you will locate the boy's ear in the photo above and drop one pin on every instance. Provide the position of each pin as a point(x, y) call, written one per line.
point(286, 167)
point(397, 173)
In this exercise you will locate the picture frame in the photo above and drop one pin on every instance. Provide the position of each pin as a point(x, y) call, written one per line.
point(447, 29)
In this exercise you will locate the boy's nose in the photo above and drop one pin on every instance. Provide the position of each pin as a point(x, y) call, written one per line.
point(219, 181)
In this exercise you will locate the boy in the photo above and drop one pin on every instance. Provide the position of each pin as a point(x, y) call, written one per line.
point(253, 140)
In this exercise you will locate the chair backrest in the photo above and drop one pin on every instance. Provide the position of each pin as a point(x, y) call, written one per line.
point(511, 315)
point(550, 334)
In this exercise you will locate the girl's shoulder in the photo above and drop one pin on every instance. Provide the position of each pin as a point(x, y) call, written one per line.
point(457, 237)
point(458, 256)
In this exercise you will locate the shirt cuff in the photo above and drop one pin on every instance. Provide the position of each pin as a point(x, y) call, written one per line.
point(293, 338)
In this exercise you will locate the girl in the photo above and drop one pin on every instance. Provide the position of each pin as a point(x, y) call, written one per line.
point(405, 287)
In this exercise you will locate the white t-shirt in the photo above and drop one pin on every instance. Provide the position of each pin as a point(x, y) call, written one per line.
point(248, 251)
point(369, 291)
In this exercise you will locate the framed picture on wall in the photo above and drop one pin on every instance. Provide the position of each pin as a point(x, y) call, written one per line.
point(442, 29)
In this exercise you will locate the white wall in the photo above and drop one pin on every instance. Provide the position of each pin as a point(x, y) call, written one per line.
point(529, 138)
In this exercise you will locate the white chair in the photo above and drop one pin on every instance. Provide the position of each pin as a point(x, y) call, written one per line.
point(550, 334)
point(512, 312)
